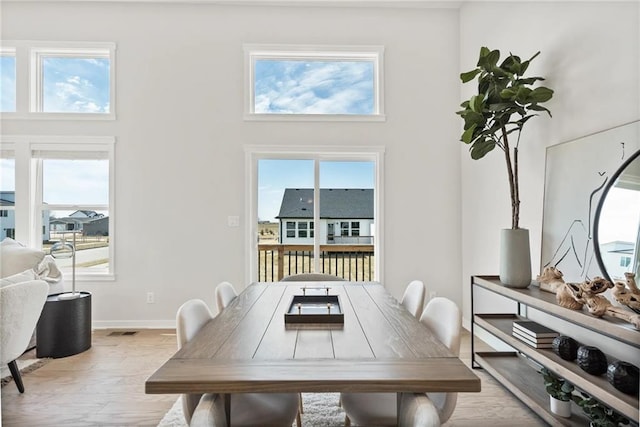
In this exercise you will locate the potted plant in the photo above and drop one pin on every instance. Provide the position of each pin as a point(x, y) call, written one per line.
point(560, 393)
point(494, 117)
point(599, 415)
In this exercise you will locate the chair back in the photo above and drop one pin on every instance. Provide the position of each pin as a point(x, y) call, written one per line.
point(312, 277)
point(225, 293)
point(191, 317)
point(20, 307)
point(444, 318)
point(413, 298)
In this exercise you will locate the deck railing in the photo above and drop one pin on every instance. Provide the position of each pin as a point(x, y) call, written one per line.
point(351, 262)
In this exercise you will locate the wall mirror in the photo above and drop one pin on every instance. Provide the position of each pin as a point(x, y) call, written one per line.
point(577, 175)
point(616, 231)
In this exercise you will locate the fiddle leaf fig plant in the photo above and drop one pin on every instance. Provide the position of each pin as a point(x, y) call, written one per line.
point(506, 100)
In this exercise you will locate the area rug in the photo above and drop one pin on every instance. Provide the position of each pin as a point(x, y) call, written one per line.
point(320, 410)
point(24, 365)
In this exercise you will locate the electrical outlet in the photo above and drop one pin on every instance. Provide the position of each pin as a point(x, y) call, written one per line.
point(151, 298)
point(432, 295)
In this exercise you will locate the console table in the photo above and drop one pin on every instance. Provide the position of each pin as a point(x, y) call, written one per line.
point(517, 370)
point(64, 328)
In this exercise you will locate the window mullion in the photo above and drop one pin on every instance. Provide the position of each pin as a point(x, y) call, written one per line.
point(316, 214)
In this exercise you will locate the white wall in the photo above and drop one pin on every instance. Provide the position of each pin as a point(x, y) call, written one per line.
point(590, 57)
point(180, 138)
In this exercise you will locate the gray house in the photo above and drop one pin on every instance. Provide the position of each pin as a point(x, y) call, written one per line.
point(346, 216)
point(90, 223)
point(8, 217)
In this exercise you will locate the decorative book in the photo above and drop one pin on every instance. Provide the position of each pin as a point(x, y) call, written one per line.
point(534, 342)
point(529, 328)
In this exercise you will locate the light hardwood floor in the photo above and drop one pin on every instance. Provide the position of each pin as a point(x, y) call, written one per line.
point(104, 386)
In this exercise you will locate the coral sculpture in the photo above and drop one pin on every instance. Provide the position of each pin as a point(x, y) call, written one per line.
point(628, 294)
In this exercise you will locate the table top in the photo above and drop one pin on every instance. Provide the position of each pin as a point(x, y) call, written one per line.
point(248, 347)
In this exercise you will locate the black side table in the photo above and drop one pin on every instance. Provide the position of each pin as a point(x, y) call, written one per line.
point(64, 328)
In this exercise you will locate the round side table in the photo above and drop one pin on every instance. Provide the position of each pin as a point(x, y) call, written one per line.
point(64, 328)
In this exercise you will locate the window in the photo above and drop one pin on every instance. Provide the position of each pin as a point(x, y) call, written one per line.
point(344, 228)
point(313, 83)
point(291, 229)
point(302, 229)
point(71, 182)
point(625, 261)
point(7, 80)
point(63, 80)
point(355, 228)
point(296, 189)
point(4, 213)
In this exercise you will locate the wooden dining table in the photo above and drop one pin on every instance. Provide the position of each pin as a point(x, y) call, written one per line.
point(248, 347)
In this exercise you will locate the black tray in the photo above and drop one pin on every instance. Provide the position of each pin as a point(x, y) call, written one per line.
point(314, 309)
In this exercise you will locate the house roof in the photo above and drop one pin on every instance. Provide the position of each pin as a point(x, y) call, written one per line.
point(339, 203)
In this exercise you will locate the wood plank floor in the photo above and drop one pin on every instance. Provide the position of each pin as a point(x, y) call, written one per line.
point(104, 386)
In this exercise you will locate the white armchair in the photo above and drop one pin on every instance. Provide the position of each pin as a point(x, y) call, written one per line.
point(20, 307)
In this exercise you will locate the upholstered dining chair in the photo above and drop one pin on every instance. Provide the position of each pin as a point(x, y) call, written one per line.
point(444, 318)
point(20, 307)
point(413, 297)
point(312, 277)
point(247, 409)
point(225, 293)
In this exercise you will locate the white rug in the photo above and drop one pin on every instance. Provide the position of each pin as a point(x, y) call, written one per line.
point(320, 410)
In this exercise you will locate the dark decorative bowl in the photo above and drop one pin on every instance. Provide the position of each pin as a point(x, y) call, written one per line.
point(623, 376)
point(565, 347)
point(592, 360)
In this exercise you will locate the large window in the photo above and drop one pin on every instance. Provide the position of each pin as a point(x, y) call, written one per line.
point(59, 187)
point(58, 80)
point(314, 82)
point(302, 206)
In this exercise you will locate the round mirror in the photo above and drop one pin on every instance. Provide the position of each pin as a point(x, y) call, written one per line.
point(616, 232)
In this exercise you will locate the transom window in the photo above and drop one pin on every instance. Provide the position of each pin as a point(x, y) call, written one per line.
point(62, 80)
point(313, 83)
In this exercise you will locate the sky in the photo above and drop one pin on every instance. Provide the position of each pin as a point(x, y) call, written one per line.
point(314, 87)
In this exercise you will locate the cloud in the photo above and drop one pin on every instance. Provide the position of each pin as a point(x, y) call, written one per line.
point(79, 85)
point(314, 87)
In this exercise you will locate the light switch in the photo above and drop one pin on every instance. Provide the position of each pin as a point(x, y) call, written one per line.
point(233, 221)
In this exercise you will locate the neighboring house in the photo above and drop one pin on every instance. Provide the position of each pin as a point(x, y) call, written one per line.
point(8, 217)
point(90, 223)
point(346, 216)
point(618, 256)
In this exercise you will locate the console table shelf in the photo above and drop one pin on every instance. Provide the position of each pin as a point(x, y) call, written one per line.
point(516, 371)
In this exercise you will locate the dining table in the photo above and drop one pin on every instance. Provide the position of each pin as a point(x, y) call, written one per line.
point(371, 343)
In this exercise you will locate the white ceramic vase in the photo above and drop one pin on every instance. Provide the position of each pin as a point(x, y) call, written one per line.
point(560, 407)
point(515, 258)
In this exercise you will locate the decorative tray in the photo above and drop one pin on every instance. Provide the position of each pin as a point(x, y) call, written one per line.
point(314, 309)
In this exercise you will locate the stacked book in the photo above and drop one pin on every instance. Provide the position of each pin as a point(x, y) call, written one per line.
point(534, 334)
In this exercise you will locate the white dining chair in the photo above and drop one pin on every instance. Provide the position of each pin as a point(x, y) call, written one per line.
point(443, 317)
point(413, 297)
point(247, 409)
point(225, 293)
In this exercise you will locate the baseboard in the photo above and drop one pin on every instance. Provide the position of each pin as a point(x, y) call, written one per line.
point(134, 324)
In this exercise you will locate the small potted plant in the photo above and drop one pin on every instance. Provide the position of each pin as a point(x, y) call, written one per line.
point(560, 393)
point(599, 415)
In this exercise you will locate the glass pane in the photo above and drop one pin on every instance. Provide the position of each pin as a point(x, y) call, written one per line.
point(7, 198)
point(91, 230)
point(8, 83)
point(75, 85)
point(314, 87)
point(79, 182)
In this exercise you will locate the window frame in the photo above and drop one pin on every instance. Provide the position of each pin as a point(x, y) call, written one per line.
point(28, 192)
point(255, 52)
point(254, 153)
point(29, 76)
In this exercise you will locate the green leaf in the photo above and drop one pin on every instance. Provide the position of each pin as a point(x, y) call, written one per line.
point(469, 75)
point(467, 136)
point(541, 94)
point(481, 148)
